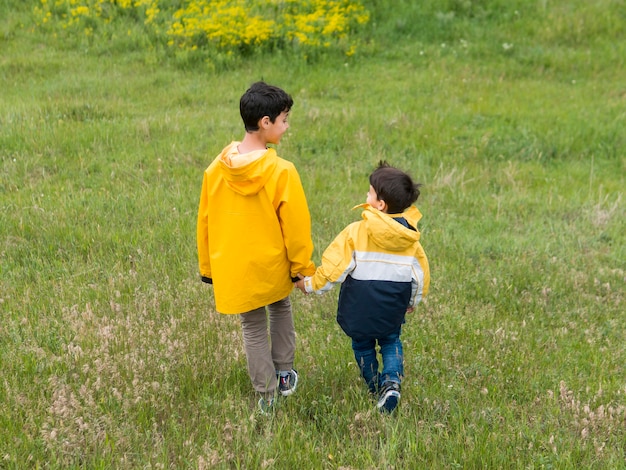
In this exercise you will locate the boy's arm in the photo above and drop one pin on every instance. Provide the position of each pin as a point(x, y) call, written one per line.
point(295, 222)
point(202, 234)
point(337, 263)
point(413, 302)
point(421, 278)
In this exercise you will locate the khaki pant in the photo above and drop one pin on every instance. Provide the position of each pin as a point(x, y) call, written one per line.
point(268, 354)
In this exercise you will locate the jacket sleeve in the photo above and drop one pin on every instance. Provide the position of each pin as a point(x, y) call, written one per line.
point(202, 232)
point(295, 223)
point(337, 263)
point(421, 277)
point(414, 299)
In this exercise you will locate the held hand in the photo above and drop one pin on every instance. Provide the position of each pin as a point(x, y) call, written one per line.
point(410, 309)
point(300, 284)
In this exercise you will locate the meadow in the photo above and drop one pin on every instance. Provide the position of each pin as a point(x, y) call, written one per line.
point(511, 113)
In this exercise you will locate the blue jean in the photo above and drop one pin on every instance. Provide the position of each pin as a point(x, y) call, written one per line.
point(391, 355)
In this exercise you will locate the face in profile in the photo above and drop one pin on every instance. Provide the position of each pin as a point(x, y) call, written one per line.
point(274, 130)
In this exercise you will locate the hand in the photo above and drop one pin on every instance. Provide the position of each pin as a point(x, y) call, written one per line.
point(300, 285)
point(410, 309)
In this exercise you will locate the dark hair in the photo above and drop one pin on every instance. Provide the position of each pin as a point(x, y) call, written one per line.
point(395, 187)
point(261, 100)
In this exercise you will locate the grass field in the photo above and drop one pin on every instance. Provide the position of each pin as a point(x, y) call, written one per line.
point(512, 115)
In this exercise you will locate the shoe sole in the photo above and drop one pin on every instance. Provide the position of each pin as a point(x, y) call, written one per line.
point(389, 401)
point(286, 393)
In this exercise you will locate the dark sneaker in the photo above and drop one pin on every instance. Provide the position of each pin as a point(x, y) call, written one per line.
point(389, 397)
point(372, 385)
point(266, 406)
point(287, 385)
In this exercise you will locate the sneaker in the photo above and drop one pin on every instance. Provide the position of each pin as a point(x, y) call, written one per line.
point(372, 385)
point(287, 385)
point(389, 397)
point(266, 406)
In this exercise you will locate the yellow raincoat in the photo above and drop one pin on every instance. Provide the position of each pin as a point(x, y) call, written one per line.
point(382, 268)
point(254, 229)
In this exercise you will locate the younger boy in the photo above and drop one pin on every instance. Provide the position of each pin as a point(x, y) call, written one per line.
point(383, 272)
point(254, 237)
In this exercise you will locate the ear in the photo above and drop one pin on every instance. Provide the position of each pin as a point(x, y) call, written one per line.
point(264, 122)
point(381, 205)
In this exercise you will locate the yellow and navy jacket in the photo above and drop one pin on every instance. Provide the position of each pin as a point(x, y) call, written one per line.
point(254, 229)
point(382, 268)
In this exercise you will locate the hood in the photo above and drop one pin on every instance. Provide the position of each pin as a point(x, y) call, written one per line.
point(388, 233)
point(246, 173)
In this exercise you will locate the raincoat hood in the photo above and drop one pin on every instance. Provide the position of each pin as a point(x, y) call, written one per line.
point(247, 173)
point(386, 232)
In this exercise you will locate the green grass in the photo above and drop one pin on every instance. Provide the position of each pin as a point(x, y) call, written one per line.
point(111, 353)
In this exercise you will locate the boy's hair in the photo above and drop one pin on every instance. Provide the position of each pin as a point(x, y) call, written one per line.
point(262, 100)
point(395, 187)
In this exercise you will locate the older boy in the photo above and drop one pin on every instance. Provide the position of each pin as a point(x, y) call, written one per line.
point(383, 272)
point(254, 237)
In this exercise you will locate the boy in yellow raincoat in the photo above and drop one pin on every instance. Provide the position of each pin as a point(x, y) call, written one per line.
point(254, 237)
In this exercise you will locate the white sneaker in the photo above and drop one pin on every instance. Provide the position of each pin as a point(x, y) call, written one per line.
point(266, 406)
point(287, 385)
